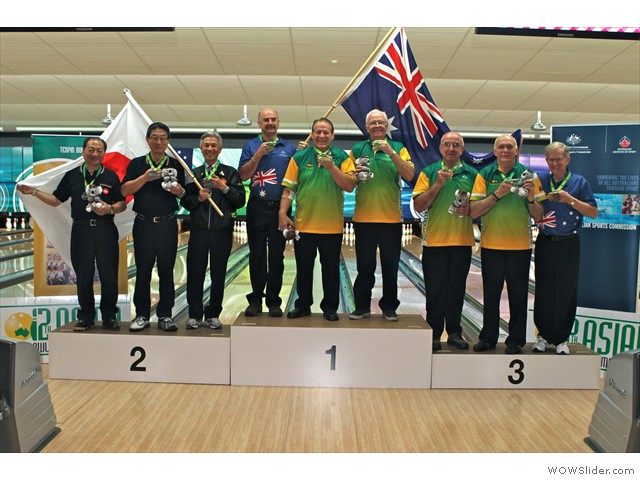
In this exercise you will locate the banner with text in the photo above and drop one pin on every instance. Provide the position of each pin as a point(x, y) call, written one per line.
point(607, 156)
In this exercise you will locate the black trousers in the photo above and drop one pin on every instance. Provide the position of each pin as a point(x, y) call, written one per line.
point(557, 271)
point(154, 242)
point(210, 247)
point(370, 237)
point(266, 252)
point(511, 266)
point(445, 278)
point(91, 247)
point(306, 249)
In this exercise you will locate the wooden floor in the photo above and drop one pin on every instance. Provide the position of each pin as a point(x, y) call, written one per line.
point(123, 417)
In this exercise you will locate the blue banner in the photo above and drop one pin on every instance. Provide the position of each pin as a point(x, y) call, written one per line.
point(607, 156)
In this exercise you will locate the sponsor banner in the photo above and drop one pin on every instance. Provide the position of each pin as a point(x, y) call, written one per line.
point(30, 319)
point(607, 156)
point(606, 332)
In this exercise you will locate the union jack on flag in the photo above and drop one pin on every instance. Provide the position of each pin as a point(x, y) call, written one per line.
point(392, 82)
point(262, 177)
point(549, 220)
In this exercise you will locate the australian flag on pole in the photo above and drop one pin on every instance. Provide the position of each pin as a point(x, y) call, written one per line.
point(392, 82)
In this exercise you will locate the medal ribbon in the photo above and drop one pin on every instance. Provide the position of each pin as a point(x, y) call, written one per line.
point(84, 175)
point(208, 172)
point(155, 167)
point(562, 184)
point(453, 169)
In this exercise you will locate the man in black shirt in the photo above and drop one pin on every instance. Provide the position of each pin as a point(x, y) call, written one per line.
point(211, 234)
point(94, 236)
point(155, 229)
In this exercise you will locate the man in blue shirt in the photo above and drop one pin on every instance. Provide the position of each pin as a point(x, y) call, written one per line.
point(569, 199)
point(264, 160)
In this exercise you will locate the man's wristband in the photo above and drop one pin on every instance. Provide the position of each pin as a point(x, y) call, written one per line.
point(111, 210)
point(495, 197)
point(35, 190)
point(226, 190)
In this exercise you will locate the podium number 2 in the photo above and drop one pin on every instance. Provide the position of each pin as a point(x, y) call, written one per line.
point(135, 366)
point(332, 352)
point(518, 369)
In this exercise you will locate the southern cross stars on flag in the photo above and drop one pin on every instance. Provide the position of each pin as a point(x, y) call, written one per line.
point(391, 81)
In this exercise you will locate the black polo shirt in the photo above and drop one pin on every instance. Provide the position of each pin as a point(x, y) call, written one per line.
point(73, 184)
point(152, 199)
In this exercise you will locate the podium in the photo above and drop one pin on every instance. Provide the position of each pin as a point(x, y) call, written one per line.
point(150, 355)
point(313, 352)
point(528, 370)
point(310, 352)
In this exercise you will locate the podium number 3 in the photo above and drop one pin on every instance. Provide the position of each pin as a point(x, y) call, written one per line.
point(135, 366)
point(518, 370)
point(332, 352)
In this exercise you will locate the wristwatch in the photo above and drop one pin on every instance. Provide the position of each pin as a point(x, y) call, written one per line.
point(226, 190)
point(573, 202)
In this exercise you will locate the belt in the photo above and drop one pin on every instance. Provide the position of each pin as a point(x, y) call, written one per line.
point(94, 222)
point(266, 204)
point(558, 238)
point(149, 218)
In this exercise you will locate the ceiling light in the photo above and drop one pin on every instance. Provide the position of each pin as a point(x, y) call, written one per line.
point(539, 126)
point(244, 121)
point(108, 119)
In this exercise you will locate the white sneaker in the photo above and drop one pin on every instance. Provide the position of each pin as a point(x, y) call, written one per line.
point(192, 324)
point(139, 323)
point(541, 345)
point(213, 323)
point(562, 349)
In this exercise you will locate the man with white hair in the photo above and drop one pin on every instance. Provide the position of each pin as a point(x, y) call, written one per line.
point(506, 242)
point(377, 217)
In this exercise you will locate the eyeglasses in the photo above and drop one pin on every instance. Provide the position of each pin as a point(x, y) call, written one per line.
point(158, 138)
point(377, 122)
point(451, 144)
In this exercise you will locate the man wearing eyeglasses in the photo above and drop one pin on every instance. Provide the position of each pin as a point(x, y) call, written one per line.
point(377, 217)
point(506, 242)
point(155, 229)
point(447, 238)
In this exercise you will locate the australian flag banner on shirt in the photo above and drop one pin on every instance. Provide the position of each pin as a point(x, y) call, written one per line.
point(392, 82)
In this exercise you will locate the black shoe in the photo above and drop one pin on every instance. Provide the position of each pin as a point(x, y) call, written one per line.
point(513, 349)
point(436, 345)
point(110, 324)
point(390, 315)
point(275, 311)
point(359, 313)
point(331, 316)
point(82, 325)
point(254, 309)
point(299, 312)
point(457, 341)
point(483, 346)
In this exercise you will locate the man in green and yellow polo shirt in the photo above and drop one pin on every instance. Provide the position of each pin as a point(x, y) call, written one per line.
point(506, 242)
point(317, 177)
point(377, 217)
point(447, 238)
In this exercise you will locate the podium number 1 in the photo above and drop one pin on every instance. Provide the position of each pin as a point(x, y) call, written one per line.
point(332, 352)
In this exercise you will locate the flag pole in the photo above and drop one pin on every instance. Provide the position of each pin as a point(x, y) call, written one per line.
point(338, 100)
point(193, 177)
point(127, 94)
